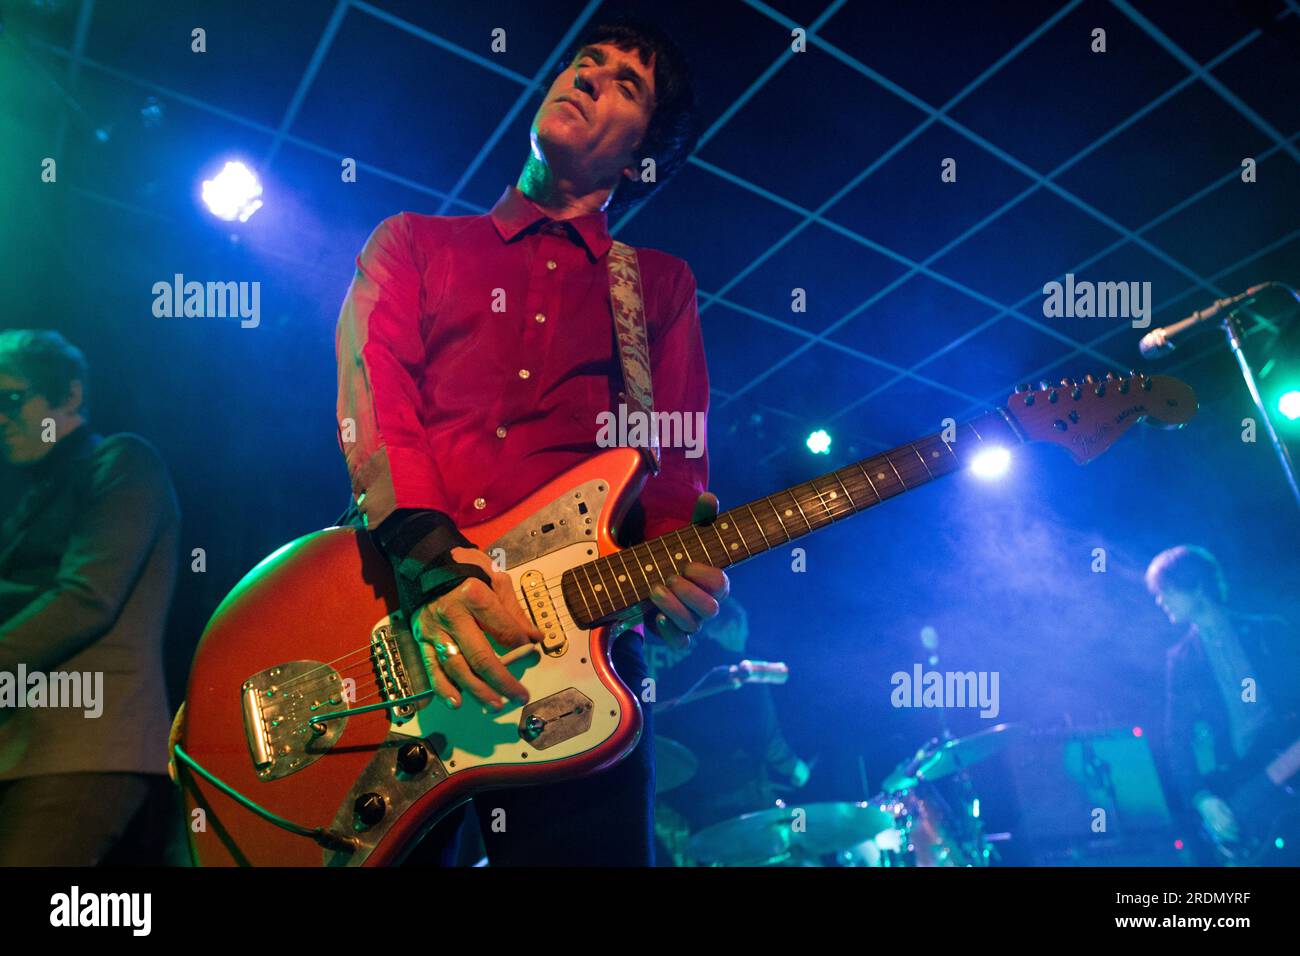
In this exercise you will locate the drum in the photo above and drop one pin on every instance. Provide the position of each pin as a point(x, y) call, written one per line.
point(928, 830)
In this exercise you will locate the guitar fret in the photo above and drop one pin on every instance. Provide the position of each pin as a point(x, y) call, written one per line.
point(822, 501)
point(766, 544)
point(607, 573)
point(801, 514)
point(896, 474)
point(776, 513)
point(743, 543)
point(870, 483)
point(726, 549)
point(708, 558)
point(631, 580)
point(912, 445)
point(640, 563)
point(649, 546)
point(578, 586)
point(853, 504)
point(595, 592)
point(612, 586)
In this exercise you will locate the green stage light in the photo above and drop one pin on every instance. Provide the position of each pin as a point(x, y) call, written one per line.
point(1289, 404)
point(819, 442)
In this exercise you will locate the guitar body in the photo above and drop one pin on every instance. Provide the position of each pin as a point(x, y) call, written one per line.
point(316, 628)
point(1259, 788)
point(311, 737)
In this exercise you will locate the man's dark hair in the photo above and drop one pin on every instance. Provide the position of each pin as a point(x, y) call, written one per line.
point(1187, 568)
point(671, 135)
point(46, 359)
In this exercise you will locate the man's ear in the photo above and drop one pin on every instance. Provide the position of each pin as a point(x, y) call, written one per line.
point(76, 394)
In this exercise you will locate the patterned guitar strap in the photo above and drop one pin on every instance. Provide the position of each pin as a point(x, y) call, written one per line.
point(633, 344)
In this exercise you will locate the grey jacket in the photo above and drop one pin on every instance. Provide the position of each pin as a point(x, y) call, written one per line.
point(87, 567)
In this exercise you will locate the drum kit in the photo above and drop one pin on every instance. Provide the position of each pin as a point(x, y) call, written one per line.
point(926, 815)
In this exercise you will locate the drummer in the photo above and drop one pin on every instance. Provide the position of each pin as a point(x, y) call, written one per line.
point(745, 762)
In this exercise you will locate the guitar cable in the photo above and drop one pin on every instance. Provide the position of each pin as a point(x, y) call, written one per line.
point(320, 835)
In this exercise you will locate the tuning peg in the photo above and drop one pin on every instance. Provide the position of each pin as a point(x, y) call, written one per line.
point(1146, 384)
point(1089, 380)
point(1123, 386)
point(1020, 389)
point(1044, 385)
point(1110, 376)
point(1076, 393)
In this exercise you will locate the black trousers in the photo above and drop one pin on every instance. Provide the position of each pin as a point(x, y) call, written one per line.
point(603, 820)
point(68, 819)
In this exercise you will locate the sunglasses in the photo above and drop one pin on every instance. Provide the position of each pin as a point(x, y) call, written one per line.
point(13, 400)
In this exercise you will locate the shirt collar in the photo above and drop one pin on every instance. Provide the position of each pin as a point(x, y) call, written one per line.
point(514, 212)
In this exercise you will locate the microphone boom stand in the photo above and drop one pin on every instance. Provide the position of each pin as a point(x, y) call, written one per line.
point(1232, 326)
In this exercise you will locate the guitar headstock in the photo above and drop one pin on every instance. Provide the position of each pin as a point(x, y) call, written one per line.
point(1086, 417)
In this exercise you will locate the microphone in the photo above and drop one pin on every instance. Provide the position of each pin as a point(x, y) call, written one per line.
point(1159, 342)
point(759, 672)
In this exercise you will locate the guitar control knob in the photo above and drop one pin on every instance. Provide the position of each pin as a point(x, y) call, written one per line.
point(370, 808)
point(412, 758)
point(532, 728)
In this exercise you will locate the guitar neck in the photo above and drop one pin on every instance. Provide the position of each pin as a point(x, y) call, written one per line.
point(619, 584)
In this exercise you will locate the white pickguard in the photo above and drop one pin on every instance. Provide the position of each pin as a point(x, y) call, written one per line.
point(475, 737)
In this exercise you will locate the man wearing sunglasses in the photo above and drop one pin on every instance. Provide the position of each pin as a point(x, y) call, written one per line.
point(88, 552)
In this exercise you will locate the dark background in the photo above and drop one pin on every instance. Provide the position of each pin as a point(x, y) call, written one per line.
point(817, 170)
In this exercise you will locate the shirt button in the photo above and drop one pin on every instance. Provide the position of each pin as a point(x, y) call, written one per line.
point(480, 504)
point(501, 431)
point(524, 373)
point(539, 317)
point(552, 264)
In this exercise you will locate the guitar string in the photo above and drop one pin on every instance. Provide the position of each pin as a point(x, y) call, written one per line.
point(552, 585)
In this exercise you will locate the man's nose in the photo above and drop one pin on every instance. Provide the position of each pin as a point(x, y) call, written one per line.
point(584, 84)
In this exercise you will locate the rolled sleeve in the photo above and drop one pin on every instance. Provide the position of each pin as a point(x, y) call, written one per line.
point(382, 359)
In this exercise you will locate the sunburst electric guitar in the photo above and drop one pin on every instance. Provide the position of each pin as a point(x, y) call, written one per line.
point(311, 736)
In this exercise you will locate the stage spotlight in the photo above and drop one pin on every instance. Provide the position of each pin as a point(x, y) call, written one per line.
point(233, 193)
point(1288, 404)
point(991, 463)
point(819, 442)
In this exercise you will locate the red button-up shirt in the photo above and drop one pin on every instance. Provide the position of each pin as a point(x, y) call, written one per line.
point(475, 353)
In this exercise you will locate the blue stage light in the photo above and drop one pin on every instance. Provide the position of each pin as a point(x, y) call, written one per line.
point(233, 193)
point(991, 463)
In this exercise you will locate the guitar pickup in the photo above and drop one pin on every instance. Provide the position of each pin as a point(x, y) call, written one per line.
point(542, 609)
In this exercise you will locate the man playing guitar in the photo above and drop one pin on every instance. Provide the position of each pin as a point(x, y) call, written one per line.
point(1230, 690)
point(475, 353)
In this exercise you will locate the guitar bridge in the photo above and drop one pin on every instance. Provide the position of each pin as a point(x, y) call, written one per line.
point(278, 705)
point(390, 673)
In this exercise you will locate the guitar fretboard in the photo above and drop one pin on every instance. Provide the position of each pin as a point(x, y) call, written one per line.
point(600, 590)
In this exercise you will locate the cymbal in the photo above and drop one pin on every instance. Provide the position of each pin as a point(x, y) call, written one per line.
point(674, 764)
point(939, 758)
point(776, 836)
